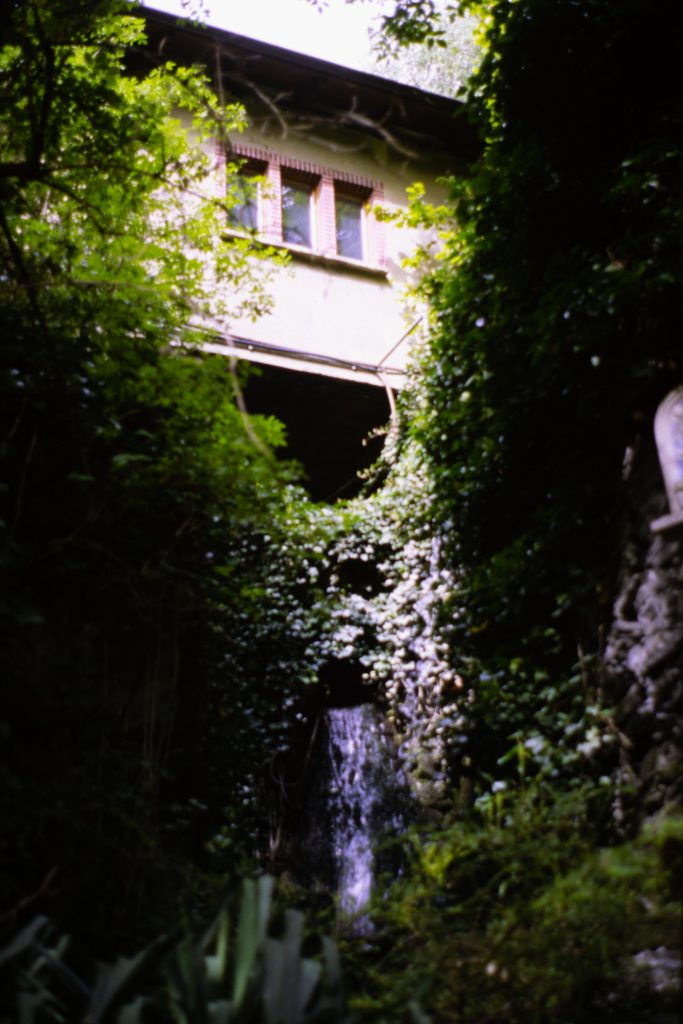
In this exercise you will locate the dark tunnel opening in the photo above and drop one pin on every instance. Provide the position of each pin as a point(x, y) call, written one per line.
point(328, 422)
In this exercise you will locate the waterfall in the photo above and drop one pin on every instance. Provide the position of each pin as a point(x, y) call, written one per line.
point(362, 799)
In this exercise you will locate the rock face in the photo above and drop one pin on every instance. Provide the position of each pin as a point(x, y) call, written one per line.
point(643, 661)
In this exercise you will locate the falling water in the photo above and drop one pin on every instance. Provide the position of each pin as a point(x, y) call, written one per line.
point(362, 799)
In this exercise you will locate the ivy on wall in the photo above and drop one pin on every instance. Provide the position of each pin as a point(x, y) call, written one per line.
point(554, 335)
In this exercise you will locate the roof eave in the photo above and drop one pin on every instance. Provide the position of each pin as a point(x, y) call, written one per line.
point(410, 110)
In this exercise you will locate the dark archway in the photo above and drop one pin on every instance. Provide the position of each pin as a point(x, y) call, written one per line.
point(328, 422)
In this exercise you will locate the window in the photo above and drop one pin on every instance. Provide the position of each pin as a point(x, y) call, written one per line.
point(244, 214)
point(296, 198)
point(245, 190)
point(348, 215)
point(297, 203)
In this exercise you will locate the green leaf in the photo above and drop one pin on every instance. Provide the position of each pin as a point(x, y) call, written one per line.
point(132, 1012)
point(274, 957)
point(220, 1012)
point(251, 931)
point(25, 940)
point(309, 976)
point(112, 980)
point(217, 963)
point(185, 981)
point(124, 459)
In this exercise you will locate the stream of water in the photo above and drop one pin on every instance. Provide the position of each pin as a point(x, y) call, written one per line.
point(364, 784)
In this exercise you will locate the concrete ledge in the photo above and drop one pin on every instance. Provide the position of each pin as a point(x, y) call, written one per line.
point(328, 261)
point(308, 362)
point(334, 263)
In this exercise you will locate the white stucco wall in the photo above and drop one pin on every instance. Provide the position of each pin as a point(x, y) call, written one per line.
point(338, 308)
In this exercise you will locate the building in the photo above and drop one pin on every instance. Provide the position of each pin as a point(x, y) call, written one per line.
point(325, 148)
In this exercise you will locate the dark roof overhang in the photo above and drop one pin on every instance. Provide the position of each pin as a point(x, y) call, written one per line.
point(303, 84)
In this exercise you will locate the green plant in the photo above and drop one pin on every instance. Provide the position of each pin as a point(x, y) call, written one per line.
point(138, 505)
point(259, 979)
point(266, 979)
point(523, 917)
point(572, 944)
point(52, 984)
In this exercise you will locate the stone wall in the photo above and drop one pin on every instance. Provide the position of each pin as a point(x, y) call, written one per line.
point(643, 660)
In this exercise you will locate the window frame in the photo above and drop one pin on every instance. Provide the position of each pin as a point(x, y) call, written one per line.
point(325, 187)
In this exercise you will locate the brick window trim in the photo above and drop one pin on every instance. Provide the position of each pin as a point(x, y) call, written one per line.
point(326, 182)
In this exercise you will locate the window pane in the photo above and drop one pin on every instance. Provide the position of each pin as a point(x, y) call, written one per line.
point(296, 213)
point(245, 212)
point(349, 219)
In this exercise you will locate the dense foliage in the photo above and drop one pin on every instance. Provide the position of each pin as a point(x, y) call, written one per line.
point(555, 307)
point(137, 502)
point(444, 67)
point(520, 917)
point(170, 600)
point(555, 315)
point(239, 974)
